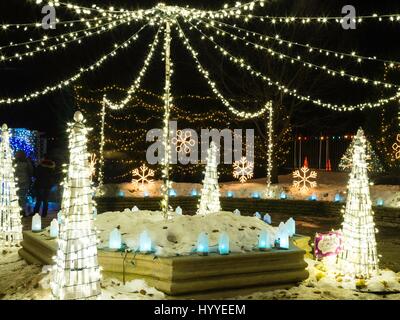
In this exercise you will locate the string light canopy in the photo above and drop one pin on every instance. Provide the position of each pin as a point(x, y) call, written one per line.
point(170, 19)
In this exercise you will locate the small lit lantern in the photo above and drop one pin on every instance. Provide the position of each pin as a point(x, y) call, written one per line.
point(172, 193)
point(256, 195)
point(54, 228)
point(282, 239)
point(230, 194)
point(178, 211)
point(258, 215)
point(338, 198)
point(194, 193)
point(115, 240)
point(145, 242)
point(37, 223)
point(202, 244)
point(281, 227)
point(145, 194)
point(380, 202)
point(264, 242)
point(291, 227)
point(313, 197)
point(135, 209)
point(283, 195)
point(121, 194)
point(223, 244)
point(267, 218)
point(236, 212)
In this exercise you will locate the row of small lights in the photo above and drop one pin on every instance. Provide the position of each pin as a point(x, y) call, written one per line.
point(282, 88)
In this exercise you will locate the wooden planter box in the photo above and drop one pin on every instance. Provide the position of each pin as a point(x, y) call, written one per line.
point(212, 276)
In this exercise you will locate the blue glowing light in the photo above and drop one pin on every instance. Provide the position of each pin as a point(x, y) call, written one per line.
point(115, 240)
point(25, 140)
point(264, 242)
point(256, 195)
point(202, 244)
point(223, 244)
point(145, 242)
point(283, 195)
point(172, 193)
point(338, 198)
point(194, 193)
point(230, 194)
point(267, 218)
point(313, 197)
point(258, 215)
point(380, 202)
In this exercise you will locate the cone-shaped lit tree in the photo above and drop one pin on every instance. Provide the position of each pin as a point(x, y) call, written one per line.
point(209, 201)
point(359, 256)
point(76, 273)
point(373, 163)
point(10, 219)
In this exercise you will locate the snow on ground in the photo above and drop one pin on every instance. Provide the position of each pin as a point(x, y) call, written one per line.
point(329, 184)
point(179, 235)
point(21, 281)
point(322, 285)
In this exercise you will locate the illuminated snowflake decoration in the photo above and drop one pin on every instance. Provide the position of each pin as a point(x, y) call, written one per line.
point(303, 179)
point(243, 169)
point(92, 164)
point(143, 175)
point(184, 141)
point(396, 147)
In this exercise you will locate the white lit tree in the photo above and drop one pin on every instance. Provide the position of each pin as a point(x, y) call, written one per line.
point(76, 273)
point(374, 165)
point(209, 201)
point(359, 256)
point(10, 218)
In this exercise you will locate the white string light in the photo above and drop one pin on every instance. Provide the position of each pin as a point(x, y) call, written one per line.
point(209, 199)
point(10, 218)
point(242, 114)
point(285, 90)
point(281, 56)
point(67, 38)
point(270, 147)
point(76, 273)
point(166, 157)
point(74, 78)
point(311, 49)
point(136, 84)
point(359, 256)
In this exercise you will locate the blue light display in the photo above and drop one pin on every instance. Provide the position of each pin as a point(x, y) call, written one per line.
point(25, 140)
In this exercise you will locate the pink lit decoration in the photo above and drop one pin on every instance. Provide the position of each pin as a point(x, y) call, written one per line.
point(328, 244)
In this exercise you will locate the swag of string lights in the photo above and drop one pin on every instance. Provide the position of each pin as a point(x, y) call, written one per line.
point(213, 27)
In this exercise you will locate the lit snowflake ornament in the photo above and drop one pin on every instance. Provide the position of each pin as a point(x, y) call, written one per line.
point(303, 179)
point(143, 175)
point(396, 147)
point(184, 141)
point(243, 169)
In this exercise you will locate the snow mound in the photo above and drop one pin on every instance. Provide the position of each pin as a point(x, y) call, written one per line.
point(179, 235)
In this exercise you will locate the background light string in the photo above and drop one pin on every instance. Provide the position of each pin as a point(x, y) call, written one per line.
point(282, 56)
point(212, 84)
point(311, 49)
point(136, 84)
point(243, 65)
point(158, 15)
point(73, 35)
point(74, 78)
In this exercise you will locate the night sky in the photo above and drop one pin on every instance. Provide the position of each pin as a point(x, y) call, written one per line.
point(49, 114)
